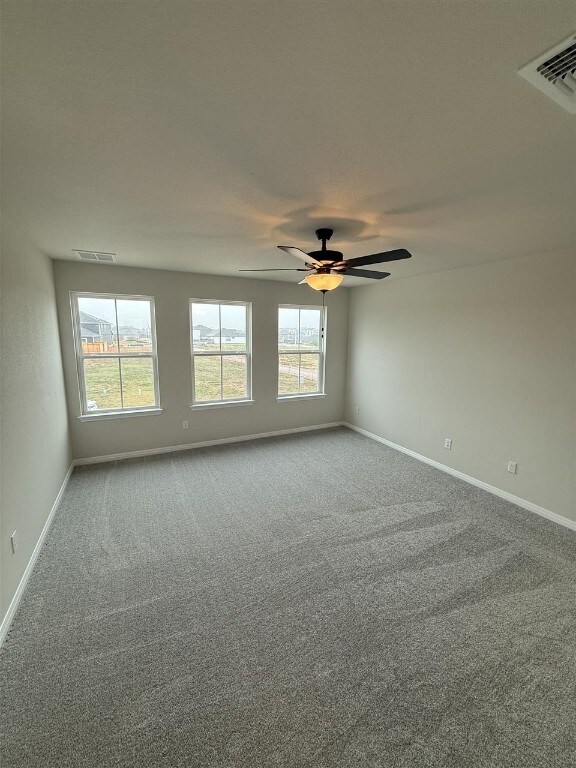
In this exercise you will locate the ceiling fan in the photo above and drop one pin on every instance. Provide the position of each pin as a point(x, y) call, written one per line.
point(327, 268)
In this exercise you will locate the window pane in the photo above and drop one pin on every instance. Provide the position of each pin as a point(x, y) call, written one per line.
point(206, 327)
point(309, 373)
point(97, 318)
point(134, 325)
point(207, 378)
point(310, 329)
point(234, 383)
point(288, 328)
point(138, 382)
point(233, 330)
point(102, 380)
point(288, 374)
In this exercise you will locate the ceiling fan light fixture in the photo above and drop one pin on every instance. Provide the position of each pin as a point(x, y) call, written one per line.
point(327, 266)
point(324, 282)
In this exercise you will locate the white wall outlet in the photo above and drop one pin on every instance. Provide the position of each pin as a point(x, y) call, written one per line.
point(184, 425)
point(512, 467)
point(13, 542)
point(448, 444)
point(357, 409)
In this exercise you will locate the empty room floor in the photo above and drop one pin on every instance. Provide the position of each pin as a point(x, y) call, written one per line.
point(314, 600)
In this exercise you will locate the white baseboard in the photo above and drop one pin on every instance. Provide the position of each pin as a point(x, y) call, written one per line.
point(7, 620)
point(524, 503)
point(205, 444)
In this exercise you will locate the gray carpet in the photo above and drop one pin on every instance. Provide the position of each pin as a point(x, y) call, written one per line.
point(315, 600)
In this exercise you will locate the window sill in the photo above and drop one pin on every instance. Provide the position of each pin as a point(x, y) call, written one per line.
point(119, 414)
point(291, 398)
point(223, 404)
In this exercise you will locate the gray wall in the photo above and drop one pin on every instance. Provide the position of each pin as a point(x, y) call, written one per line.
point(35, 452)
point(484, 355)
point(171, 291)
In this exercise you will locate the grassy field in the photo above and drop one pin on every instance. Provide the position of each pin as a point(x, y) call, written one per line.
point(102, 378)
point(208, 378)
point(298, 374)
point(302, 347)
point(227, 346)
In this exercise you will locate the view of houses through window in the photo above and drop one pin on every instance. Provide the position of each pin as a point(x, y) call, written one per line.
point(220, 336)
point(116, 352)
point(300, 351)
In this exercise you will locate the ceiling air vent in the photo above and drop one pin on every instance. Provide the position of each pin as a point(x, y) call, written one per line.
point(554, 73)
point(96, 256)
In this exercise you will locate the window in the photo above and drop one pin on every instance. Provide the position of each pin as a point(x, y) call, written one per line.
point(115, 340)
point(300, 351)
point(220, 340)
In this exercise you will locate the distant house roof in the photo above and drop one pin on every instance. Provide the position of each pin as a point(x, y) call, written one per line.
point(95, 328)
point(86, 318)
point(214, 331)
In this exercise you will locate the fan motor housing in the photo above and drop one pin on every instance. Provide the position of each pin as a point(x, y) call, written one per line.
point(327, 256)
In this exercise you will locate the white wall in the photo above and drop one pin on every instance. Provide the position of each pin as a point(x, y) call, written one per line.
point(172, 291)
point(34, 446)
point(484, 355)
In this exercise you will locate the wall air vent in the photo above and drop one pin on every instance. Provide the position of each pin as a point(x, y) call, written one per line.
point(96, 256)
point(554, 73)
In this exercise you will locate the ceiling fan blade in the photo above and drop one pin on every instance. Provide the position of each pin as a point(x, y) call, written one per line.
point(366, 273)
point(295, 269)
point(299, 254)
point(379, 258)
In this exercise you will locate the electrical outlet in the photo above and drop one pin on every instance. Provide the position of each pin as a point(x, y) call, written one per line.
point(184, 425)
point(512, 466)
point(13, 542)
point(357, 409)
point(448, 444)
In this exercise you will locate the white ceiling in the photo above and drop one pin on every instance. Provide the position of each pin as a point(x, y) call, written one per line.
point(198, 135)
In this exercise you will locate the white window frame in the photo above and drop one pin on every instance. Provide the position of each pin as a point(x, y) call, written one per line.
point(321, 352)
point(81, 356)
point(221, 354)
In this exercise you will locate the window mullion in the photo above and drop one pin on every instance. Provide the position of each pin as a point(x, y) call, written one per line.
point(119, 358)
point(220, 327)
point(299, 350)
point(117, 328)
point(221, 370)
point(121, 387)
